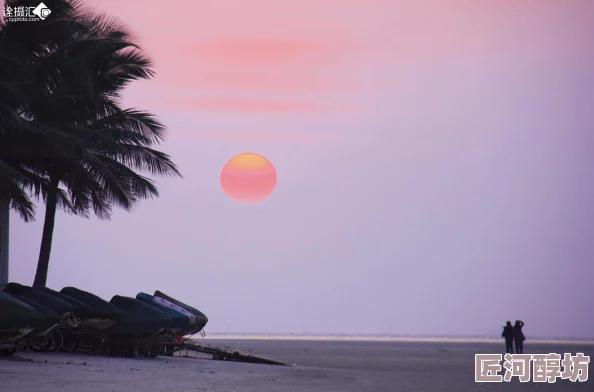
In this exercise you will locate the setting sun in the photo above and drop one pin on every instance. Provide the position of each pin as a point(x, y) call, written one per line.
point(248, 178)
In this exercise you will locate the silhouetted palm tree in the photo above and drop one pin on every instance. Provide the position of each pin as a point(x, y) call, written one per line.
point(76, 85)
point(21, 140)
point(16, 134)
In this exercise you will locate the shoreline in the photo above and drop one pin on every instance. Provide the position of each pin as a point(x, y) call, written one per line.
point(396, 339)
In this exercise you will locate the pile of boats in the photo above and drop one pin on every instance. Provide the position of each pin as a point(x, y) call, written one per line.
point(41, 319)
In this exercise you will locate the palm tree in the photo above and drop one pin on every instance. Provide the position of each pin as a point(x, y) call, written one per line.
point(19, 143)
point(12, 181)
point(77, 81)
point(20, 138)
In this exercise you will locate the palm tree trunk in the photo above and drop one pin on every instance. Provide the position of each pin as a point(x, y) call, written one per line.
point(48, 233)
point(4, 224)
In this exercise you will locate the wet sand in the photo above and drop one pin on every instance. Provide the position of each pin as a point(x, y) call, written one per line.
point(323, 366)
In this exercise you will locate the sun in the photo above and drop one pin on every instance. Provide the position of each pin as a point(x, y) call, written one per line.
point(248, 178)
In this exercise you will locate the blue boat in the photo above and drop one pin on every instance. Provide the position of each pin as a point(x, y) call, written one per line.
point(197, 318)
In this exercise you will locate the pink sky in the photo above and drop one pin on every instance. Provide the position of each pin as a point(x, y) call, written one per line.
point(433, 157)
point(309, 57)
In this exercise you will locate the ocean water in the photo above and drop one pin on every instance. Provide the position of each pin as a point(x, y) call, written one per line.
point(387, 338)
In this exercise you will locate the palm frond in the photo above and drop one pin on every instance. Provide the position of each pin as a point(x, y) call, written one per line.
point(11, 189)
point(61, 114)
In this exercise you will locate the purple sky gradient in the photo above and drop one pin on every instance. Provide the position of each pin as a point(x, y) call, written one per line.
point(434, 160)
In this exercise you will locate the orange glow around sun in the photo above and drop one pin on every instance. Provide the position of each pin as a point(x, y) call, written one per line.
point(248, 178)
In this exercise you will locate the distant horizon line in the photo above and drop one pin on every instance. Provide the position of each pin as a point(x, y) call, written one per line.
point(387, 337)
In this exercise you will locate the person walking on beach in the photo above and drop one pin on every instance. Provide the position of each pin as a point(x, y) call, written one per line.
point(508, 334)
point(519, 336)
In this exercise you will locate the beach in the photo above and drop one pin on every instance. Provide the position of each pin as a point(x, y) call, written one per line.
point(318, 365)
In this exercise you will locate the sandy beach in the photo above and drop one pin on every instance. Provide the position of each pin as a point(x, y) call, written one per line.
point(319, 365)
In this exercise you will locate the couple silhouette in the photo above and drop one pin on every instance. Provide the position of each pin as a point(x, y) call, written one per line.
point(513, 334)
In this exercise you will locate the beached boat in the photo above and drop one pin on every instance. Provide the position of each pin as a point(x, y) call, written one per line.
point(79, 308)
point(15, 316)
point(57, 305)
point(148, 325)
point(197, 318)
point(100, 313)
point(92, 322)
point(78, 322)
point(40, 339)
point(181, 322)
point(139, 318)
point(17, 319)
